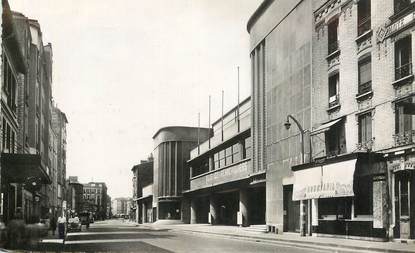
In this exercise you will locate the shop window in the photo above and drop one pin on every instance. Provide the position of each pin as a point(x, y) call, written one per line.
point(335, 208)
point(365, 127)
point(401, 5)
point(365, 75)
point(333, 40)
point(403, 56)
point(334, 90)
point(363, 203)
point(335, 140)
point(363, 16)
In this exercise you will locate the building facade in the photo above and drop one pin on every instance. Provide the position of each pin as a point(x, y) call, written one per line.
point(121, 206)
point(95, 199)
point(143, 191)
point(74, 195)
point(223, 187)
point(281, 62)
point(171, 171)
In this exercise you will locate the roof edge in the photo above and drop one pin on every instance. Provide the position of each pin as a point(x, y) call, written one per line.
point(258, 12)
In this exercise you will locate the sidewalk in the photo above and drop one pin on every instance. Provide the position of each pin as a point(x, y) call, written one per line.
point(288, 238)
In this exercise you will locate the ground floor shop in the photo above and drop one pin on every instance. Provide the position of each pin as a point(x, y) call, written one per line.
point(345, 196)
point(145, 210)
point(401, 170)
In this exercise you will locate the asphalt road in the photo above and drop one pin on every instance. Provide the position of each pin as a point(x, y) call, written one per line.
point(115, 235)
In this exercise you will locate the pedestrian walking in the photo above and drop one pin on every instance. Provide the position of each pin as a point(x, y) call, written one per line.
point(53, 223)
point(61, 226)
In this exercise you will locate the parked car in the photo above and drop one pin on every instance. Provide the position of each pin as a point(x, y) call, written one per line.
point(74, 224)
point(84, 218)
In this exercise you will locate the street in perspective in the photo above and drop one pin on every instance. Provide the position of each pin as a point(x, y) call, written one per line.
point(207, 126)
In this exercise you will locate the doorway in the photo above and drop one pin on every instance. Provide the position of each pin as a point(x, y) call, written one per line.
point(403, 184)
point(291, 211)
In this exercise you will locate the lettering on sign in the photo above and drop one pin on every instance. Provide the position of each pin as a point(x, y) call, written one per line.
point(385, 31)
point(409, 165)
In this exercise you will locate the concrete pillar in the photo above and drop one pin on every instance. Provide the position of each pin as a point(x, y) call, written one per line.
point(243, 206)
point(211, 163)
point(193, 211)
point(213, 211)
point(143, 212)
point(303, 221)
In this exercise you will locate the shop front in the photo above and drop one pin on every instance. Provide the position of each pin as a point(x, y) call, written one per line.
point(402, 192)
point(345, 196)
point(22, 178)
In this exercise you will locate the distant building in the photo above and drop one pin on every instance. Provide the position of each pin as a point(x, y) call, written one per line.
point(121, 206)
point(172, 147)
point(74, 195)
point(109, 209)
point(143, 191)
point(95, 199)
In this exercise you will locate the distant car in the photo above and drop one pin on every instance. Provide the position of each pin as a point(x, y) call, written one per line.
point(74, 224)
point(84, 218)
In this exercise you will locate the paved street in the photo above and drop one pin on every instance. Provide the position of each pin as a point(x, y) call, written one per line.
point(116, 235)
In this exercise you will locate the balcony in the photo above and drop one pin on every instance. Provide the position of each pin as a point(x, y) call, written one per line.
point(234, 172)
point(333, 47)
point(363, 26)
point(404, 138)
point(365, 145)
point(403, 71)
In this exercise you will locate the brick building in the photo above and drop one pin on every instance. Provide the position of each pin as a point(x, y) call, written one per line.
point(74, 195)
point(143, 191)
point(95, 199)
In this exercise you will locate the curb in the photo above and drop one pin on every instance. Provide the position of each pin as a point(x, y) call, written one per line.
point(288, 242)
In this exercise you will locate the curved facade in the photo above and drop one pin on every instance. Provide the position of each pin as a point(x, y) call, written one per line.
point(171, 172)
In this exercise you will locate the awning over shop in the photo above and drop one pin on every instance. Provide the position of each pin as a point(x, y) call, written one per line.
point(19, 168)
point(325, 181)
point(325, 127)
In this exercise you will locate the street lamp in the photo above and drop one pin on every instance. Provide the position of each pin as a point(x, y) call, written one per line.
point(287, 125)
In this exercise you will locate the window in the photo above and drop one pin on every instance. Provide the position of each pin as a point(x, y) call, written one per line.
point(333, 40)
point(365, 128)
point(338, 208)
point(222, 159)
point(335, 140)
point(9, 84)
point(363, 17)
point(247, 148)
point(216, 160)
point(403, 54)
point(404, 112)
point(228, 158)
point(333, 90)
point(403, 196)
point(400, 5)
point(365, 75)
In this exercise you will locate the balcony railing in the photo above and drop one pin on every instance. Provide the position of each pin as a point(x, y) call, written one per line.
point(365, 87)
point(333, 100)
point(403, 71)
point(365, 145)
point(363, 26)
point(404, 138)
point(333, 46)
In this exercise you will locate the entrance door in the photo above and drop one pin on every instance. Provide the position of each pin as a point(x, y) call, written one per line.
point(291, 211)
point(402, 199)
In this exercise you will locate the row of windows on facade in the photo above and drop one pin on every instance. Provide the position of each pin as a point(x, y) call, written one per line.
point(225, 157)
point(92, 191)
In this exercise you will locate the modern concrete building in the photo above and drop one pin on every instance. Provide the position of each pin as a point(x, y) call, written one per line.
point(95, 199)
point(281, 61)
point(223, 187)
point(172, 147)
point(143, 191)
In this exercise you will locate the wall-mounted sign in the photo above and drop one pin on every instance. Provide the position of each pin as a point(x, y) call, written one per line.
point(386, 31)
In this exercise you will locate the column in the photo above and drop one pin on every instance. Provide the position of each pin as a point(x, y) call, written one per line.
point(143, 212)
point(303, 221)
point(213, 205)
point(193, 211)
point(314, 214)
point(243, 206)
point(211, 163)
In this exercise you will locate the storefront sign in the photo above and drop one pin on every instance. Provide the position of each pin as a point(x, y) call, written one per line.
point(408, 165)
point(221, 176)
point(384, 32)
point(332, 180)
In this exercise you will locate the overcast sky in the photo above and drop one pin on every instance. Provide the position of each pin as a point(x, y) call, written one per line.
point(123, 69)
